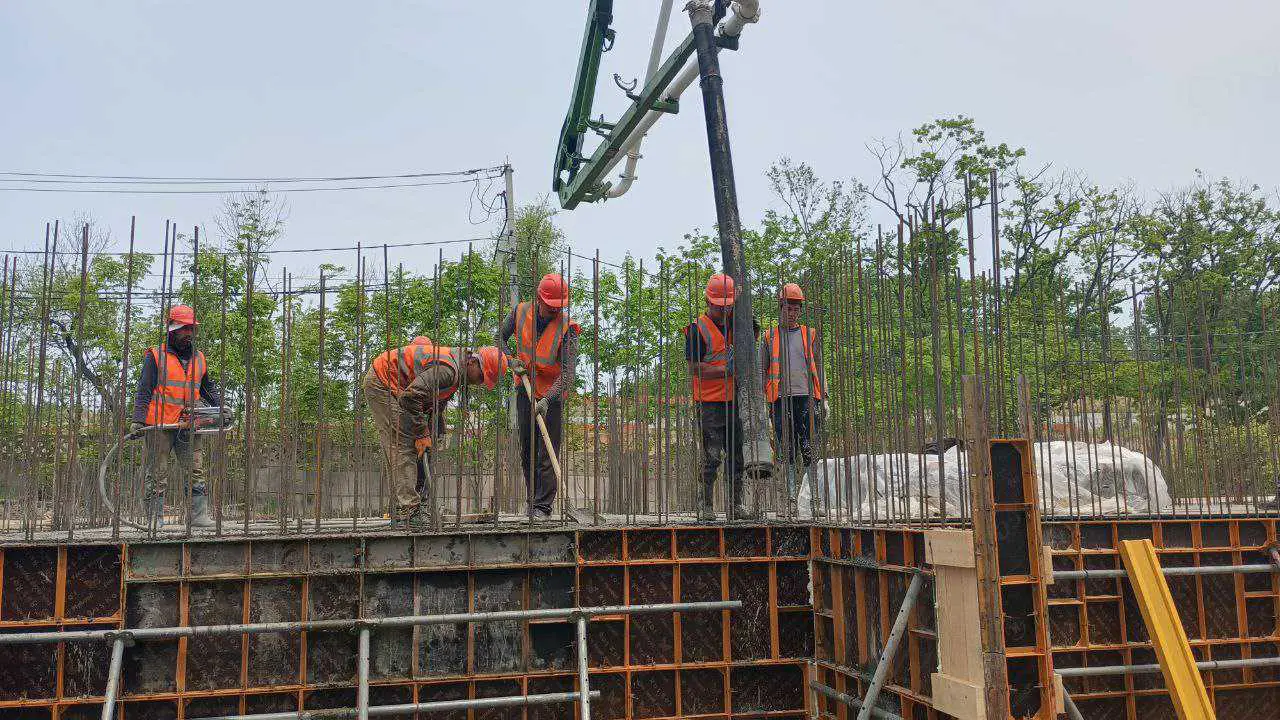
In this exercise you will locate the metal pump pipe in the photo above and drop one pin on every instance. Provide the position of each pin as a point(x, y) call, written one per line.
point(757, 448)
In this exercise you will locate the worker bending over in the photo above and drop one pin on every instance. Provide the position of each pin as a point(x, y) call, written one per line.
point(794, 386)
point(407, 390)
point(709, 350)
point(166, 393)
point(546, 352)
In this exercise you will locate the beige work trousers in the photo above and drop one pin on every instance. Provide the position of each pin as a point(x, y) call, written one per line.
point(397, 447)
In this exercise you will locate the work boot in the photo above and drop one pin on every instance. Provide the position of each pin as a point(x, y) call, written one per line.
point(740, 509)
point(155, 511)
point(706, 503)
point(412, 520)
point(199, 512)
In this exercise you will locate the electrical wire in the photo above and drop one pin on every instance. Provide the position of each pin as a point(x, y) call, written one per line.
point(153, 179)
point(236, 191)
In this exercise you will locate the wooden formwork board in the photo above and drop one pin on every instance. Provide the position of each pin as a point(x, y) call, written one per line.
point(742, 663)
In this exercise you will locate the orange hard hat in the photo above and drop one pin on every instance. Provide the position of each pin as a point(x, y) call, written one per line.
point(494, 364)
point(421, 340)
point(720, 290)
point(553, 290)
point(791, 291)
point(181, 316)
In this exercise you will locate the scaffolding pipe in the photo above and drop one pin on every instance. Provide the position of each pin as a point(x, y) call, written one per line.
point(113, 679)
point(850, 701)
point(407, 708)
point(1171, 571)
point(362, 691)
point(28, 638)
point(1073, 712)
point(891, 647)
point(584, 677)
point(1151, 669)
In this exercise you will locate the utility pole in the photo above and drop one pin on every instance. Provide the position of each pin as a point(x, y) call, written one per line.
point(749, 386)
point(513, 290)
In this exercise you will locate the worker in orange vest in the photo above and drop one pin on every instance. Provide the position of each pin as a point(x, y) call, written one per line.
point(709, 350)
point(546, 351)
point(407, 389)
point(174, 379)
point(794, 386)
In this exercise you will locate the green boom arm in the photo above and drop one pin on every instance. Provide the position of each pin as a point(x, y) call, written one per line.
point(597, 38)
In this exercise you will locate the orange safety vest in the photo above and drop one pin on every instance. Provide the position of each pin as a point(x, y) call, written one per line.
point(718, 348)
point(773, 374)
point(177, 388)
point(397, 368)
point(541, 356)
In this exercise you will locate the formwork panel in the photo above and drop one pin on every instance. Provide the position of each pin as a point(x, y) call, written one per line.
point(84, 668)
point(151, 561)
point(214, 662)
point(93, 582)
point(649, 666)
point(266, 556)
point(28, 672)
point(766, 688)
point(749, 634)
point(30, 584)
point(275, 656)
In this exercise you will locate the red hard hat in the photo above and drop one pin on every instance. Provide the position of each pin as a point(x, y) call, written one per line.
point(493, 362)
point(421, 340)
point(181, 316)
point(791, 291)
point(553, 290)
point(720, 290)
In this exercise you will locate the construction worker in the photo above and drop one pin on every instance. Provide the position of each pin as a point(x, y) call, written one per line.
point(407, 389)
point(794, 386)
point(166, 393)
point(709, 350)
point(546, 353)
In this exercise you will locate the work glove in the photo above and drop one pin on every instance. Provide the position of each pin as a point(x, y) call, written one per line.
point(136, 426)
point(824, 410)
point(540, 407)
point(517, 366)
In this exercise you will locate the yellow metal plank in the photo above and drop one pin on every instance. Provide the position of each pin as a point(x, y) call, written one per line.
point(1186, 688)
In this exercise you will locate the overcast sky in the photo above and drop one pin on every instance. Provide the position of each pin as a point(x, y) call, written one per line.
point(1141, 92)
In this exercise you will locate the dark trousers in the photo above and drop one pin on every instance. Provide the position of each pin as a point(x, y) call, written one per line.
point(542, 478)
point(721, 433)
point(792, 429)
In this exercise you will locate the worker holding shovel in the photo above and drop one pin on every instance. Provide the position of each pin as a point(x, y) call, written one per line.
point(544, 361)
point(407, 390)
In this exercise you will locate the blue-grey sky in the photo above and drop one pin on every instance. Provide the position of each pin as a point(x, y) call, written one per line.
point(1141, 92)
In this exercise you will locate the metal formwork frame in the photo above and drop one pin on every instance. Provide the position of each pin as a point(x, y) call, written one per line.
point(752, 661)
point(862, 588)
point(1225, 584)
point(121, 639)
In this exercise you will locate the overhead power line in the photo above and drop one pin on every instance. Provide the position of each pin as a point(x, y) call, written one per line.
point(160, 179)
point(15, 181)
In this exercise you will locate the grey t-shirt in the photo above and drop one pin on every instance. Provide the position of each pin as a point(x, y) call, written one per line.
point(795, 370)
